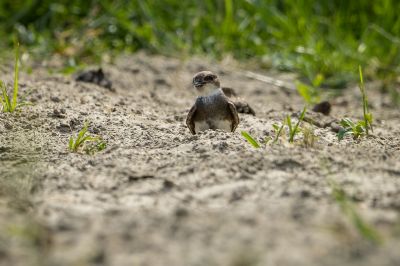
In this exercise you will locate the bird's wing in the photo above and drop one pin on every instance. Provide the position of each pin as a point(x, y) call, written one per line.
point(241, 105)
point(229, 92)
point(189, 119)
point(235, 116)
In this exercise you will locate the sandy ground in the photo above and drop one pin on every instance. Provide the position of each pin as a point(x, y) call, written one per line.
point(158, 195)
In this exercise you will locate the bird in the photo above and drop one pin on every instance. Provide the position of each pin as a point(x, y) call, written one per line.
point(212, 109)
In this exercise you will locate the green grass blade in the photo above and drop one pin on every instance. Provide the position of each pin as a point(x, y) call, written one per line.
point(364, 229)
point(21, 104)
point(82, 133)
point(6, 99)
point(342, 132)
point(250, 139)
point(361, 75)
point(362, 89)
point(276, 127)
point(294, 131)
point(228, 23)
point(304, 92)
point(278, 133)
point(79, 141)
point(71, 144)
point(90, 138)
point(3, 103)
point(15, 93)
point(346, 122)
point(367, 115)
point(289, 124)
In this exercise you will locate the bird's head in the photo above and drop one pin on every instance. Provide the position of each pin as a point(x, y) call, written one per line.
point(205, 82)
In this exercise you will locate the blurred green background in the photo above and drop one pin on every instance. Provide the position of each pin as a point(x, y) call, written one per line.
point(329, 38)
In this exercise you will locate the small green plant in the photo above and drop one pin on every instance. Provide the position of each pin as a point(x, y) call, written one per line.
point(10, 104)
point(349, 127)
point(89, 144)
point(348, 208)
point(93, 147)
point(250, 139)
point(311, 93)
point(360, 128)
point(293, 129)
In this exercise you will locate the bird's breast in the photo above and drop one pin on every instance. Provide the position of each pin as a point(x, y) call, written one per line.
point(213, 113)
point(222, 124)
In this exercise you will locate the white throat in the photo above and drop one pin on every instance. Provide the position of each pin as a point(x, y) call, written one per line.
point(208, 89)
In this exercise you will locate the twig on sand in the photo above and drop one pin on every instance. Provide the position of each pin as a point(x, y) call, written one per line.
point(273, 81)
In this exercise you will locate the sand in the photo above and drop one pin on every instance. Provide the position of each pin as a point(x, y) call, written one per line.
point(158, 195)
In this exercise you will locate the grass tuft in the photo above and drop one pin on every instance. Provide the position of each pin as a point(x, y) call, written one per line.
point(292, 129)
point(8, 104)
point(89, 144)
point(360, 128)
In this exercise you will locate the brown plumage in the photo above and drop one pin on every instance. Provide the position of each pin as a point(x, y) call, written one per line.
point(241, 105)
point(213, 109)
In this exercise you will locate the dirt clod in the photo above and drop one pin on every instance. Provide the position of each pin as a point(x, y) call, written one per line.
point(97, 77)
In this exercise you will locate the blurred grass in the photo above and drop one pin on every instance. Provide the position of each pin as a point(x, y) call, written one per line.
point(329, 38)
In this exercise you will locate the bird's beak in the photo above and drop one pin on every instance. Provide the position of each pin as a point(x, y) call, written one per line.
point(198, 84)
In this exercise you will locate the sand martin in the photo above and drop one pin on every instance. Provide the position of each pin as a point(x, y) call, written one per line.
point(212, 109)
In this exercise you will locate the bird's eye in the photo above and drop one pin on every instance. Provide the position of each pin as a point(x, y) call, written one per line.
point(208, 78)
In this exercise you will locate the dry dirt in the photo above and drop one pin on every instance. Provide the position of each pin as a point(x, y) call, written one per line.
point(158, 195)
